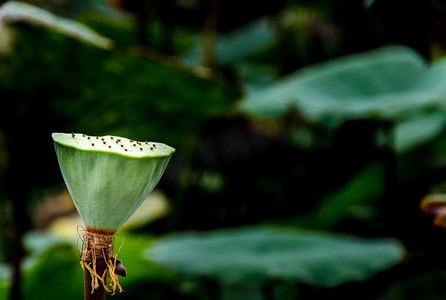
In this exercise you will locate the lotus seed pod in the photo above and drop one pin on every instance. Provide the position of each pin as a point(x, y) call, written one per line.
point(108, 177)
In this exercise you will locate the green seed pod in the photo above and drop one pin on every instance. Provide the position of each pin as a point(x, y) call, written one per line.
point(109, 177)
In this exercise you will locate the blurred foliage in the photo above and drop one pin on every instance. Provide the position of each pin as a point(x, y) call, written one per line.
point(389, 84)
point(353, 201)
point(323, 119)
point(250, 256)
point(94, 73)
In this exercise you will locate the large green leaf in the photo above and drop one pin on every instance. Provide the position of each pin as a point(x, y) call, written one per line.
point(389, 83)
point(255, 254)
point(16, 11)
point(419, 130)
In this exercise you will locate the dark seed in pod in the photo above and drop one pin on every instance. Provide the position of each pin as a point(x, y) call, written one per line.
point(134, 145)
point(116, 142)
point(146, 142)
point(140, 149)
point(125, 149)
point(97, 137)
point(111, 137)
point(103, 143)
point(131, 141)
point(122, 145)
point(102, 139)
point(119, 140)
point(109, 147)
point(151, 148)
point(88, 137)
point(83, 135)
point(72, 134)
point(92, 144)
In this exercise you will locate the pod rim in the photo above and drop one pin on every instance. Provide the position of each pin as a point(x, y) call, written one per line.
point(111, 144)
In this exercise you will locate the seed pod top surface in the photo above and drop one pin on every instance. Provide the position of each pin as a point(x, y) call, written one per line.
point(109, 177)
point(113, 144)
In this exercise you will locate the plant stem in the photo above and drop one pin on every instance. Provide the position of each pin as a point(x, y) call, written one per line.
point(388, 204)
point(210, 34)
point(99, 293)
point(97, 262)
point(17, 188)
point(16, 260)
point(142, 25)
point(268, 291)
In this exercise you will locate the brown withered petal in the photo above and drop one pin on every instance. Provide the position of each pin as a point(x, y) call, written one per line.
point(440, 218)
point(435, 204)
point(432, 203)
point(119, 268)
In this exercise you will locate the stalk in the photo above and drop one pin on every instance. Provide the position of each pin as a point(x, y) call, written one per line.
point(210, 34)
point(96, 294)
point(94, 290)
point(99, 265)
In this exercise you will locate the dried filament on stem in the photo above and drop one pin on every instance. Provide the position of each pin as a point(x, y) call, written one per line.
point(98, 254)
